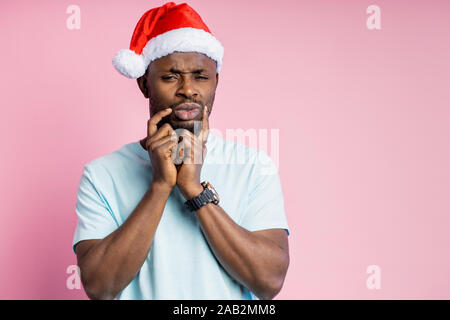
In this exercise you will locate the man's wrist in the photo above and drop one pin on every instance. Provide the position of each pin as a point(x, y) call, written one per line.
point(161, 188)
point(191, 191)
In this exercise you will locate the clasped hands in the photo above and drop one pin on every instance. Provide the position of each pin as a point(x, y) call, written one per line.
point(177, 155)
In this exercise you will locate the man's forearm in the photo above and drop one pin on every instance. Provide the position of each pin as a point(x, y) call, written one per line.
point(256, 262)
point(112, 263)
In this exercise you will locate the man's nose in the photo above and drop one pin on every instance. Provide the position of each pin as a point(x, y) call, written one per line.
point(187, 89)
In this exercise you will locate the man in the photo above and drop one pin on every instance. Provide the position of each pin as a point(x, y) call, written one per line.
point(153, 227)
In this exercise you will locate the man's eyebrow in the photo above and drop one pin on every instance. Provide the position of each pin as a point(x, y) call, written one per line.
point(173, 70)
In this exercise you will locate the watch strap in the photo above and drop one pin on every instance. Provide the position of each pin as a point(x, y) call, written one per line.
point(205, 197)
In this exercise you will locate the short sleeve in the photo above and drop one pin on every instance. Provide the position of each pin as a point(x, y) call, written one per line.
point(95, 219)
point(265, 209)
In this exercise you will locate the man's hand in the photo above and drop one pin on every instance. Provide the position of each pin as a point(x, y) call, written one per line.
point(193, 149)
point(159, 144)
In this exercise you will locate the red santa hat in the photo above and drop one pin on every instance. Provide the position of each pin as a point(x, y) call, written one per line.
point(163, 30)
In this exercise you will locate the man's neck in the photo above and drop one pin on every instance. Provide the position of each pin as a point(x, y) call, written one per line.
point(142, 143)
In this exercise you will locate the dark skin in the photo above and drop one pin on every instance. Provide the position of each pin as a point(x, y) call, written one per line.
point(258, 260)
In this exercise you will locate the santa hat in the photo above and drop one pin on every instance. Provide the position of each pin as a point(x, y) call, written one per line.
point(163, 30)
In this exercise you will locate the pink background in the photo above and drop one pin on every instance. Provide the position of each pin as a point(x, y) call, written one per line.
point(363, 118)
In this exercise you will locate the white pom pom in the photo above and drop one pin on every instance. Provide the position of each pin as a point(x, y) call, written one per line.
point(129, 64)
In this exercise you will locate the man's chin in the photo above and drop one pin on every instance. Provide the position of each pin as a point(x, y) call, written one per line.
point(177, 124)
point(188, 125)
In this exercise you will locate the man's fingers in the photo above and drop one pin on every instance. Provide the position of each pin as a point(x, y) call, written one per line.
point(205, 125)
point(165, 130)
point(167, 148)
point(190, 149)
point(156, 143)
point(186, 134)
point(152, 123)
point(177, 153)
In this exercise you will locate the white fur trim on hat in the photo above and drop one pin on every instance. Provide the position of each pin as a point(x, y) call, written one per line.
point(187, 39)
point(130, 64)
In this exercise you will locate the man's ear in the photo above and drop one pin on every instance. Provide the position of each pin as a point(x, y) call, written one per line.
point(142, 83)
point(217, 79)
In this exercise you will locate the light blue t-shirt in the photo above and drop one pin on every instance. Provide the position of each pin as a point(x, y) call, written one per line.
point(180, 264)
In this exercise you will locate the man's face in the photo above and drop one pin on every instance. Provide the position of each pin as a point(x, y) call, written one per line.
point(176, 79)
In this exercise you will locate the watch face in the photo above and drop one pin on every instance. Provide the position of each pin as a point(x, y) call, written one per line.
point(216, 195)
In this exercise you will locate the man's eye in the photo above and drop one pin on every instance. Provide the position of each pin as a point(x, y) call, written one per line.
point(202, 77)
point(168, 78)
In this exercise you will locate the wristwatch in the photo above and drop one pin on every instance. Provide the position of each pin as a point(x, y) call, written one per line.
point(209, 194)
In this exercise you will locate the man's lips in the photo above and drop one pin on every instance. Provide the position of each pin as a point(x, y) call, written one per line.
point(187, 111)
